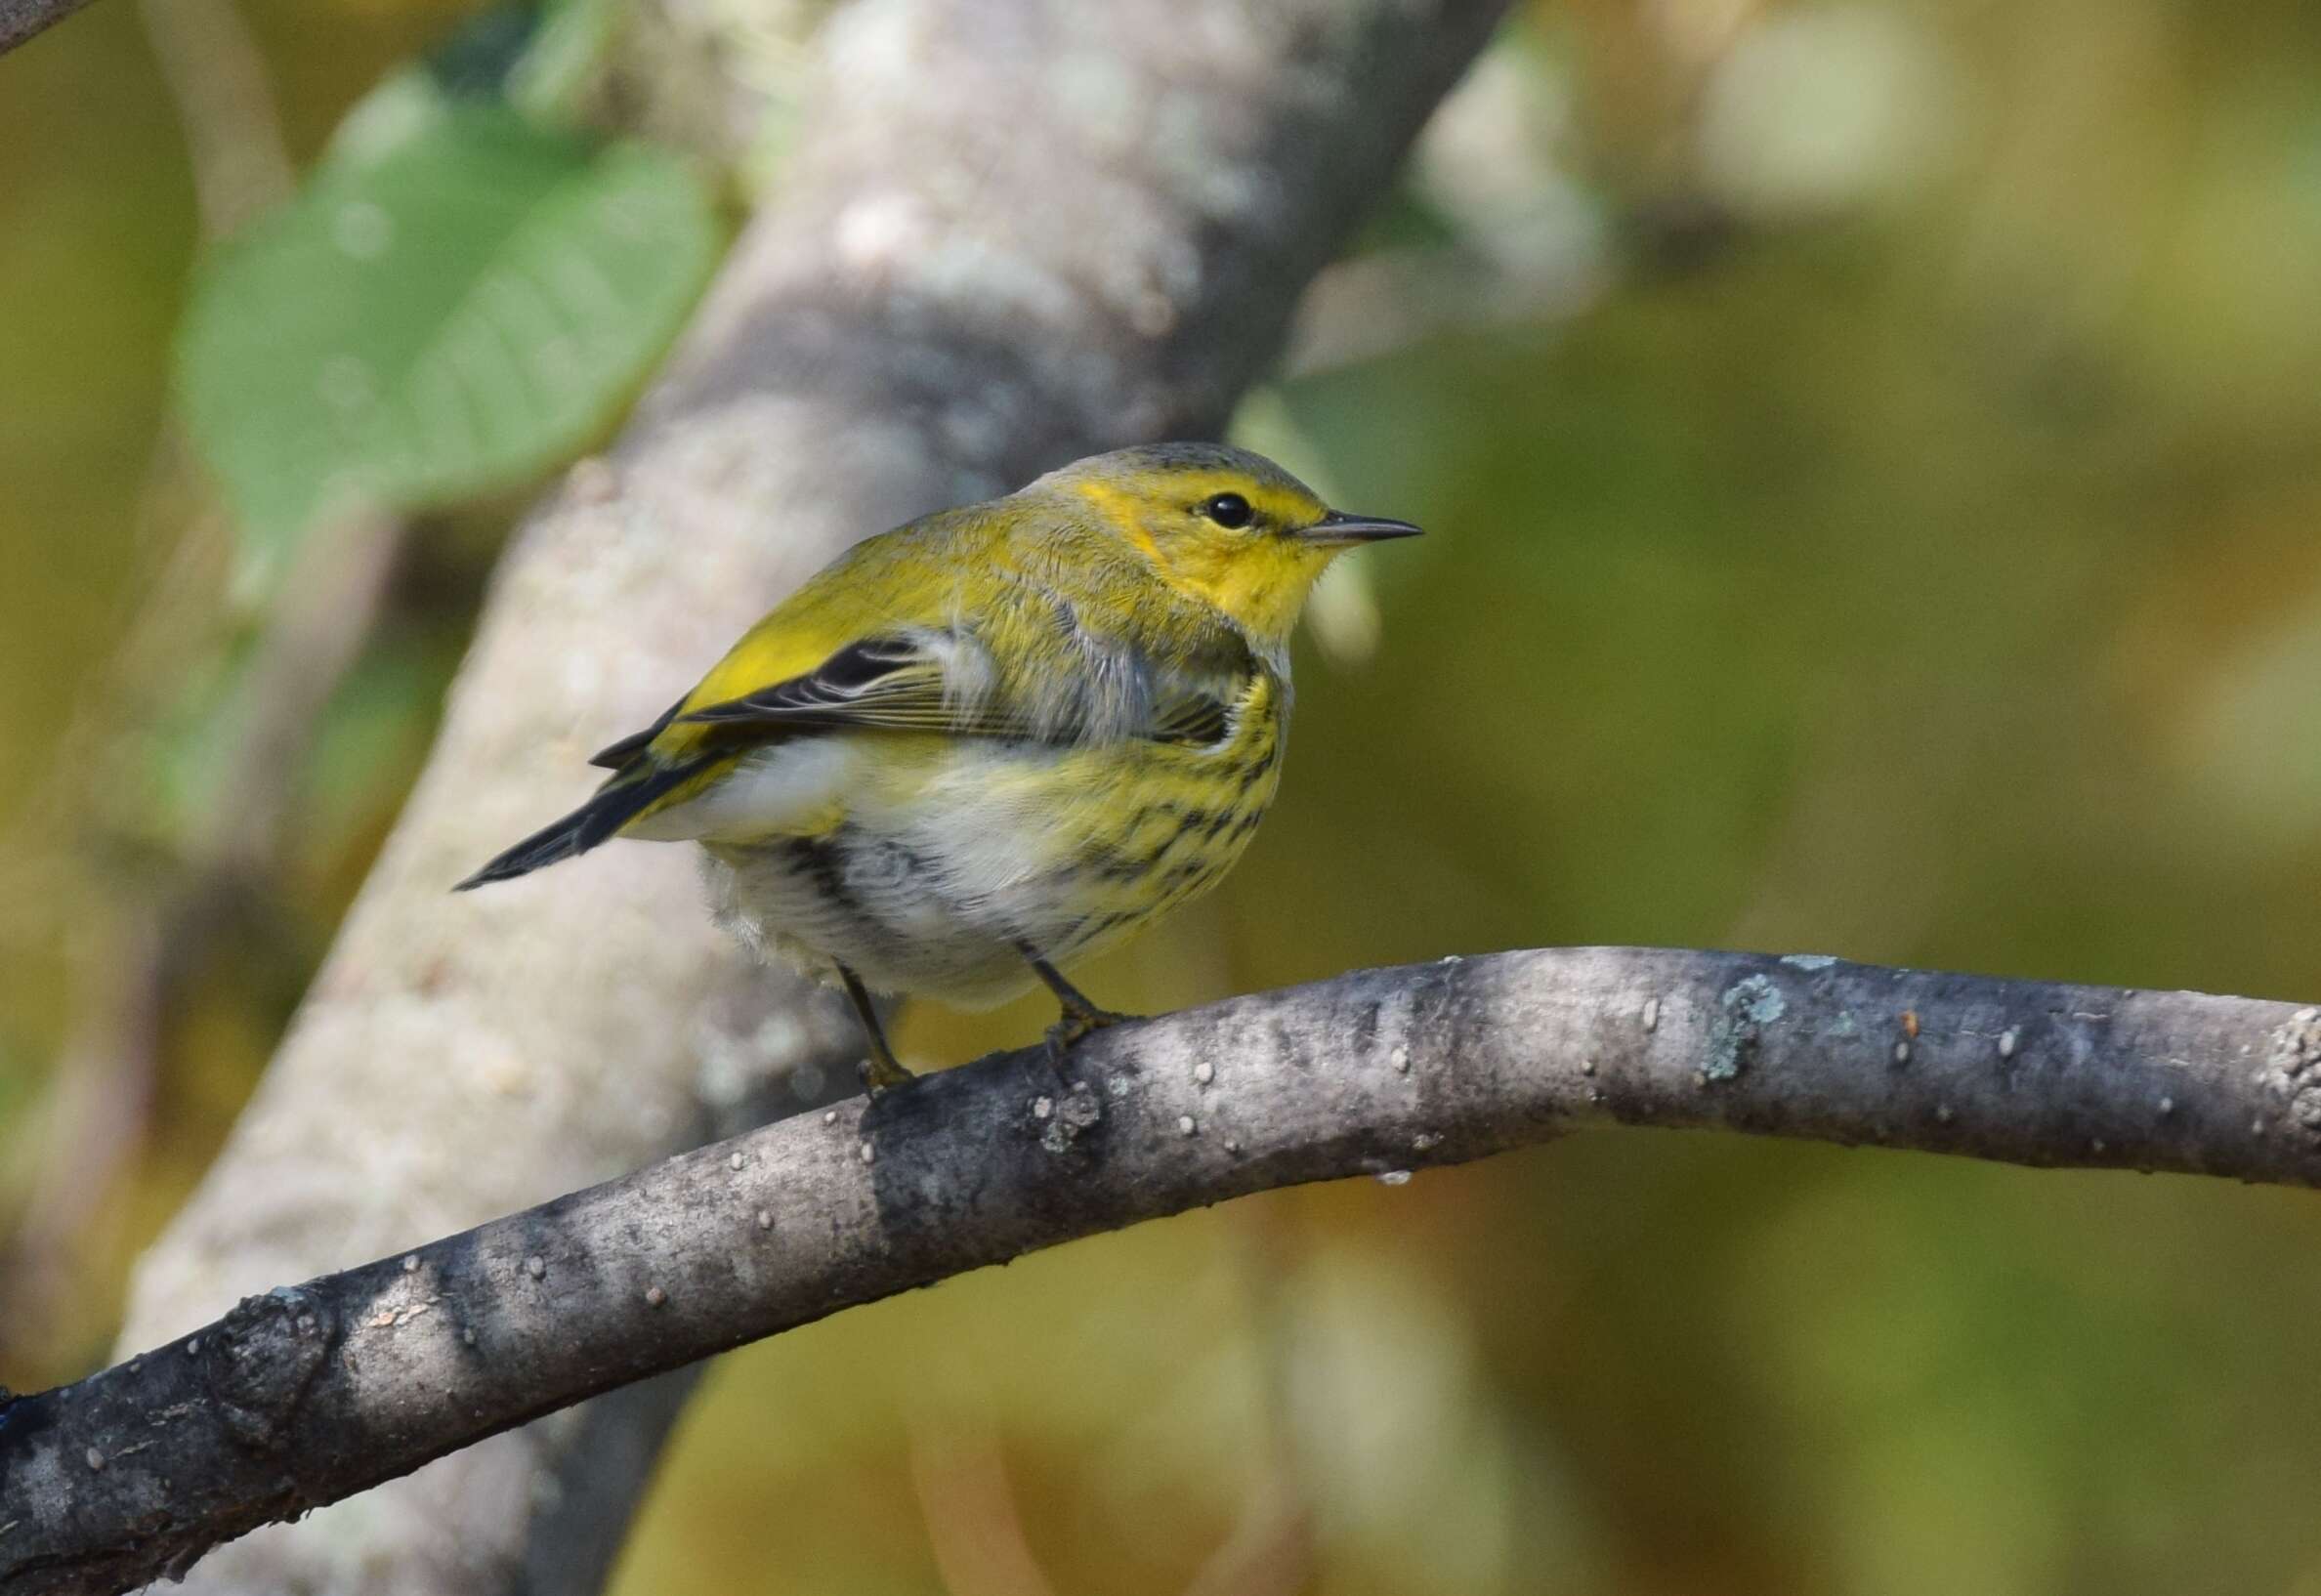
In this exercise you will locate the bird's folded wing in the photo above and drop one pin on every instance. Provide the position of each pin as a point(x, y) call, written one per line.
point(897, 681)
point(917, 683)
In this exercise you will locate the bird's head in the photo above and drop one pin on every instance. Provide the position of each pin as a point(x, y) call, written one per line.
point(1221, 524)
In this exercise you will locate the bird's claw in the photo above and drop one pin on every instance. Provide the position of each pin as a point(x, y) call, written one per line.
point(882, 1073)
point(1071, 1028)
point(1075, 1024)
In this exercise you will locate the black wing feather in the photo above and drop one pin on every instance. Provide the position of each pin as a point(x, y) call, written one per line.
point(612, 755)
point(842, 691)
point(593, 822)
point(893, 682)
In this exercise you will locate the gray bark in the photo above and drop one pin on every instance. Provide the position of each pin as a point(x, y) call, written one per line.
point(309, 1393)
point(20, 20)
point(1013, 232)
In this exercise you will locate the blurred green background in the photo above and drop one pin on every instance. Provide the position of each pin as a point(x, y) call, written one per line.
point(1873, 454)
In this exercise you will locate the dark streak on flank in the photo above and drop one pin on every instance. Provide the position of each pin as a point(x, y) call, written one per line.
point(824, 861)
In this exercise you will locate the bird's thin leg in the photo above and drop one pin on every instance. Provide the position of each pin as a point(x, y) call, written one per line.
point(1081, 1014)
point(881, 1070)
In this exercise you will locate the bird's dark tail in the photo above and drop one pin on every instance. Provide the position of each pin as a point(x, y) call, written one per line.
point(617, 803)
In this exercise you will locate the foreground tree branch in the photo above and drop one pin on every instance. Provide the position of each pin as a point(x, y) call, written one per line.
point(20, 20)
point(1009, 233)
point(311, 1393)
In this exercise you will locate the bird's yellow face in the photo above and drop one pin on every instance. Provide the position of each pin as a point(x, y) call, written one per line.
point(1226, 526)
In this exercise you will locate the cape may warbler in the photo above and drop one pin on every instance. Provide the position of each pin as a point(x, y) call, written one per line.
point(996, 740)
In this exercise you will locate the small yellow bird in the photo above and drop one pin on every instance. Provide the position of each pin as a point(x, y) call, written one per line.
point(997, 738)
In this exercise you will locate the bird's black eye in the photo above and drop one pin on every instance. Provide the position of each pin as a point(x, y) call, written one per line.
point(1228, 509)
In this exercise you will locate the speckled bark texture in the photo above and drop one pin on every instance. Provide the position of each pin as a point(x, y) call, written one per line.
point(20, 20)
point(1013, 232)
point(307, 1394)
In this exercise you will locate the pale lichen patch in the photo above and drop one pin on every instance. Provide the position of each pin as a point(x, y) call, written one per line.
point(2293, 1068)
point(1744, 1010)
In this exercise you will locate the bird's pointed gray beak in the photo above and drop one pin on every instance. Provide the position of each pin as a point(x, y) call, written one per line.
point(1338, 529)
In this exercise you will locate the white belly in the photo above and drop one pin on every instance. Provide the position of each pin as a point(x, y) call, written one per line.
point(934, 888)
point(866, 903)
point(932, 870)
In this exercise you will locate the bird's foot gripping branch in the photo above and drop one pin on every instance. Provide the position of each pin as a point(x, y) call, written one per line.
point(308, 1394)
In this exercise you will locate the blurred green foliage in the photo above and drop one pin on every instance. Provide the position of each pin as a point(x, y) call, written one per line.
point(1896, 537)
point(461, 295)
point(438, 319)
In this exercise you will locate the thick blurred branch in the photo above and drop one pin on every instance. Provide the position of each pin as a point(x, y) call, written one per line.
point(20, 20)
point(308, 1394)
point(225, 100)
point(1011, 231)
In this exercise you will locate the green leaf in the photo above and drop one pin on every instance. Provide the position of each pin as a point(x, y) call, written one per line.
point(445, 310)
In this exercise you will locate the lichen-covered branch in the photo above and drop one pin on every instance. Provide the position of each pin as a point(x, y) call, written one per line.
point(307, 1393)
point(1009, 233)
